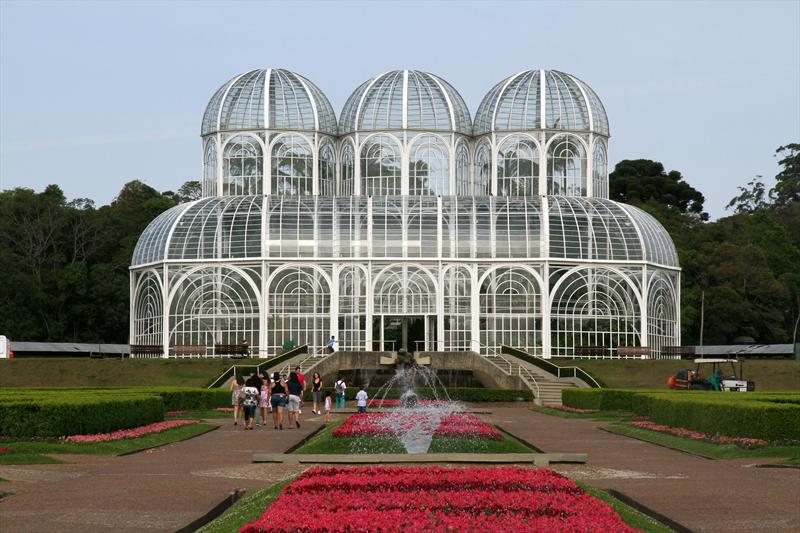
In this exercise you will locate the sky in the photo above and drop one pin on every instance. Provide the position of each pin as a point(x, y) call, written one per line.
point(95, 94)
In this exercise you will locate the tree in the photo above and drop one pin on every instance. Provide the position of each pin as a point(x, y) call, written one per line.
point(787, 188)
point(751, 198)
point(190, 190)
point(641, 180)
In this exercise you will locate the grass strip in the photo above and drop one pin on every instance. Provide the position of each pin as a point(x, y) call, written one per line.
point(600, 415)
point(245, 510)
point(25, 450)
point(707, 449)
point(631, 516)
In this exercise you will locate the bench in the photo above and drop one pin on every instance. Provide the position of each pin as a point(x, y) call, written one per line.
point(232, 350)
point(593, 351)
point(184, 350)
point(634, 351)
point(147, 350)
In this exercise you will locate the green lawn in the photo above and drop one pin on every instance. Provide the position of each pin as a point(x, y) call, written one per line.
point(791, 454)
point(600, 415)
point(777, 375)
point(631, 516)
point(323, 442)
point(32, 451)
point(245, 510)
point(86, 372)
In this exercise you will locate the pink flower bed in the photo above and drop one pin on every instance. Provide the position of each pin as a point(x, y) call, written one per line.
point(128, 433)
point(437, 499)
point(175, 413)
point(460, 425)
point(224, 409)
point(698, 435)
point(569, 409)
point(6, 450)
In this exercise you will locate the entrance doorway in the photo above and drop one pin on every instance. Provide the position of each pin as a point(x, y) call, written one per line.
point(412, 333)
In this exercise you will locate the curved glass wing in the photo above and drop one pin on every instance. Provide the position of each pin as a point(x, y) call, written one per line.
point(658, 246)
point(153, 240)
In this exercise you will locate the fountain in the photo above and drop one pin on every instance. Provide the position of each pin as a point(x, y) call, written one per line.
point(414, 421)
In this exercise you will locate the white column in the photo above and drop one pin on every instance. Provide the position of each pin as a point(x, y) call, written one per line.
point(590, 167)
point(542, 164)
point(545, 305)
point(493, 165)
point(334, 310)
point(262, 312)
point(645, 330)
point(267, 170)
point(678, 312)
point(132, 309)
point(220, 163)
point(315, 169)
point(164, 298)
point(475, 308)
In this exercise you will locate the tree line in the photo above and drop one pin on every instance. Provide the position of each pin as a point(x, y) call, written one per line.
point(64, 264)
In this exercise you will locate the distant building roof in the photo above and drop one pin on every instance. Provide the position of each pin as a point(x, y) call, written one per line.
point(754, 349)
point(70, 347)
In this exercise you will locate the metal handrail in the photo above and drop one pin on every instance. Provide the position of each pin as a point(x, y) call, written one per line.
point(553, 368)
point(523, 373)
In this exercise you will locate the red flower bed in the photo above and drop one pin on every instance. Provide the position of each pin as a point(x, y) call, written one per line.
point(128, 433)
point(6, 450)
point(569, 409)
point(397, 403)
point(698, 435)
point(176, 413)
point(224, 409)
point(395, 499)
point(458, 425)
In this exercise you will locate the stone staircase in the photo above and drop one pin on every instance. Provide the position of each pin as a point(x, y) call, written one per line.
point(546, 387)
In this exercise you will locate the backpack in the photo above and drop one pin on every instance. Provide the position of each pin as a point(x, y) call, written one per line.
point(250, 397)
point(339, 387)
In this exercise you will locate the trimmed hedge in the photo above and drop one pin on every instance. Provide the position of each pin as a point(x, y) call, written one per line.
point(464, 394)
point(769, 416)
point(58, 412)
point(74, 414)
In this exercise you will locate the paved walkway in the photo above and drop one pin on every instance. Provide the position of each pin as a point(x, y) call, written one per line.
point(169, 487)
point(163, 489)
point(700, 494)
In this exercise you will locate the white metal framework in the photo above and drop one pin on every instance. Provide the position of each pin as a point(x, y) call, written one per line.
point(401, 214)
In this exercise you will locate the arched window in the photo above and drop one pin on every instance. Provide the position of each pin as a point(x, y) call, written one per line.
point(662, 312)
point(215, 305)
point(593, 312)
point(210, 169)
point(353, 307)
point(327, 166)
point(148, 316)
point(464, 185)
point(292, 166)
point(518, 167)
point(380, 167)
point(429, 167)
point(457, 309)
point(299, 308)
point(510, 310)
point(483, 170)
point(566, 167)
point(347, 184)
point(242, 166)
point(600, 170)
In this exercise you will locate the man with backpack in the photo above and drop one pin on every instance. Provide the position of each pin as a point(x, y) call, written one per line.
point(251, 395)
point(339, 389)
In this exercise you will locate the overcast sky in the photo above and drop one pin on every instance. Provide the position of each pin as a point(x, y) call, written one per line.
point(95, 94)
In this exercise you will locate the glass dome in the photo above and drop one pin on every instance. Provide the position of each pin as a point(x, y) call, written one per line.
point(541, 99)
point(269, 99)
point(405, 99)
point(249, 227)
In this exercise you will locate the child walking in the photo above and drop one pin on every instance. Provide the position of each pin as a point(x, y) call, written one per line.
point(327, 408)
point(361, 397)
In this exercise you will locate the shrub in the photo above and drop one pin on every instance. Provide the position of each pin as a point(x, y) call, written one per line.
point(769, 416)
point(71, 414)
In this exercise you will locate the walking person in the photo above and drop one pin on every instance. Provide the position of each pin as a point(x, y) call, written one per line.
point(277, 400)
point(302, 380)
point(361, 400)
point(237, 383)
point(339, 389)
point(327, 419)
point(250, 401)
point(316, 393)
point(331, 346)
point(263, 400)
point(295, 390)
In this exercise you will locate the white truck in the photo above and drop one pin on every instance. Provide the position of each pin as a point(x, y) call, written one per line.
point(5, 348)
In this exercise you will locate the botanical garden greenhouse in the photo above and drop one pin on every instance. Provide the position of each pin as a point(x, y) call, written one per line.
point(406, 224)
